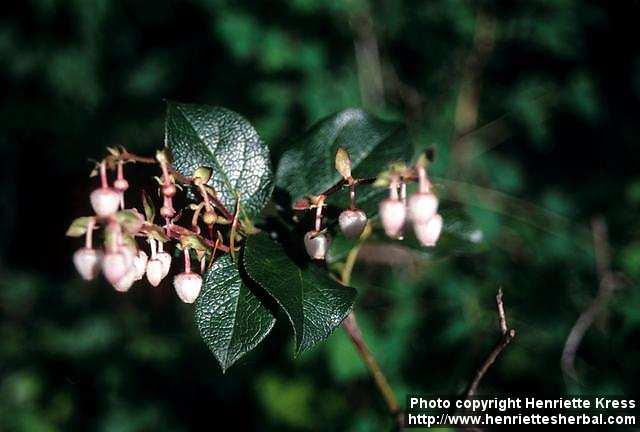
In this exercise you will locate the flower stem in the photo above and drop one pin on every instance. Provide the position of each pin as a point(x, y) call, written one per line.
point(103, 175)
point(320, 204)
point(88, 240)
point(187, 261)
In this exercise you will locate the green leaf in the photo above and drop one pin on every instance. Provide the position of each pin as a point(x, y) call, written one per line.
point(308, 167)
point(130, 220)
point(232, 320)
point(79, 226)
point(314, 303)
point(220, 139)
point(149, 208)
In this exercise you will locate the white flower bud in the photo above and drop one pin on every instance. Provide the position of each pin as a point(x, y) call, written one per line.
point(165, 259)
point(129, 254)
point(317, 244)
point(121, 185)
point(105, 201)
point(140, 264)
point(154, 272)
point(87, 262)
point(114, 266)
point(392, 214)
point(188, 286)
point(429, 233)
point(126, 281)
point(352, 223)
point(422, 207)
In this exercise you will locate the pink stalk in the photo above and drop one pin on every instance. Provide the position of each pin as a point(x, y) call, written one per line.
point(88, 240)
point(423, 181)
point(319, 213)
point(103, 175)
point(152, 243)
point(393, 189)
point(187, 261)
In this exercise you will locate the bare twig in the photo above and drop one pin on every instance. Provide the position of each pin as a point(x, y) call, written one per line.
point(608, 282)
point(367, 56)
point(507, 336)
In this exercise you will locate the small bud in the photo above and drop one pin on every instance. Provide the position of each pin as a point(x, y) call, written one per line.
point(188, 286)
point(392, 214)
point(126, 281)
point(114, 267)
point(429, 232)
point(352, 223)
point(162, 156)
point(167, 212)
point(209, 218)
point(154, 272)
point(121, 185)
point(169, 190)
point(140, 264)
point(202, 175)
point(343, 163)
point(105, 201)
point(87, 262)
point(317, 244)
point(422, 207)
point(165, 259)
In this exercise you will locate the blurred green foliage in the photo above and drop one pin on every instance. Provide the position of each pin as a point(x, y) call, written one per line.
point(554, 145)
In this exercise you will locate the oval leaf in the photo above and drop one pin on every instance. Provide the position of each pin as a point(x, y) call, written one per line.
point(308, 168)
point(314, 303)
point(78, 227)
point(220, 139)
point(230, 317)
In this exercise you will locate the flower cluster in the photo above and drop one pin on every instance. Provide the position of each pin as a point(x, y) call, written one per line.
point(395, 212)
point(121, 260)
point(421, 210)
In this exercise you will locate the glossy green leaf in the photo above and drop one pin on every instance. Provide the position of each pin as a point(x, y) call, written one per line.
point(308, 167)
point(314, 303)
point(220, 139)
point(231, 318)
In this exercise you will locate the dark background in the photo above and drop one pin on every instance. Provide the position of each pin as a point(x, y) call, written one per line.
point(533, 108)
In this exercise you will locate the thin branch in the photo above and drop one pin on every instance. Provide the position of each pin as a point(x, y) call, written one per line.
point(507, 336)
point(350, 326)
point(501, 315)
point(607, 285)
point(177, 231)
point(127, 156)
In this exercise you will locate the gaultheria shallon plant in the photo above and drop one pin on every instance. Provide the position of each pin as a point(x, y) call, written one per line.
point(213, 180)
